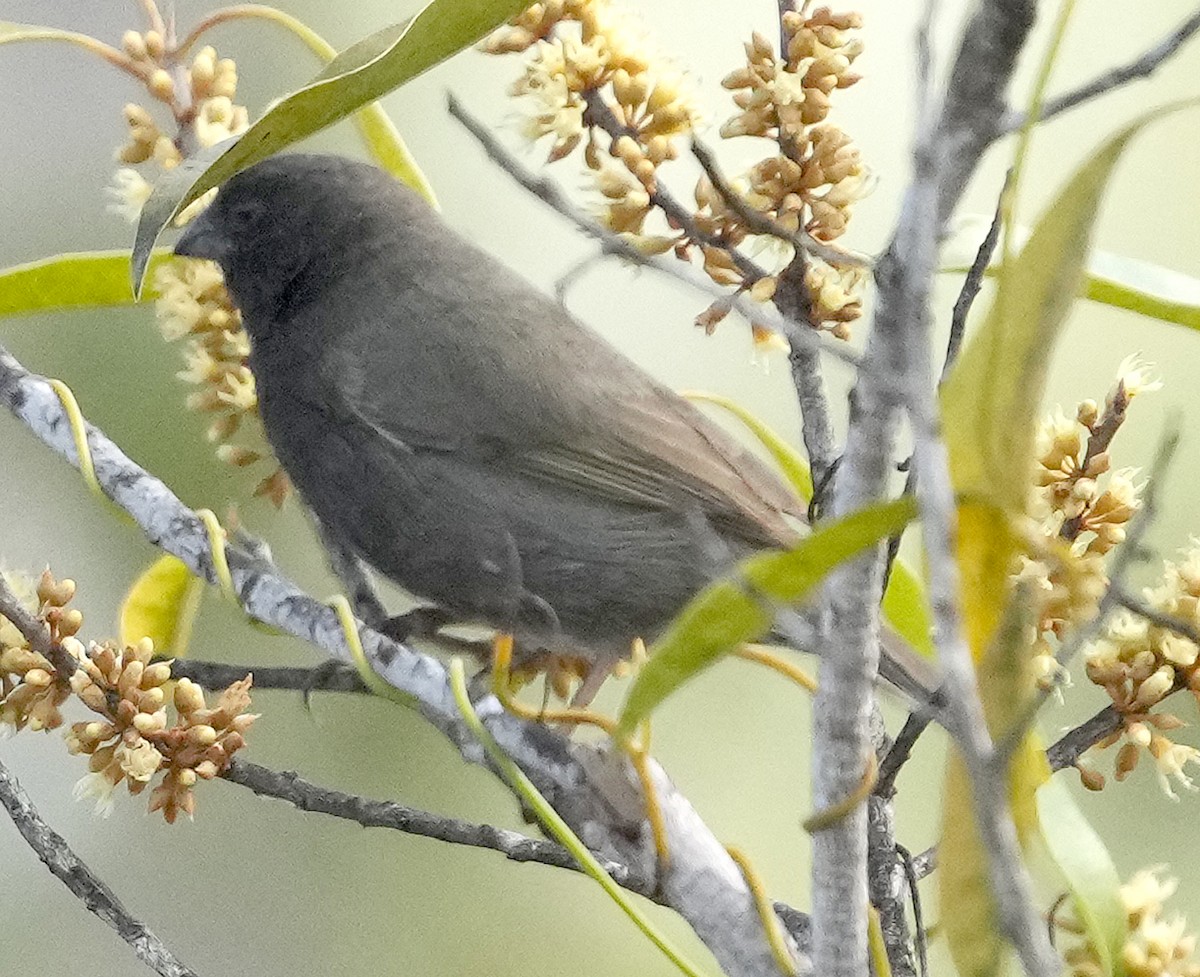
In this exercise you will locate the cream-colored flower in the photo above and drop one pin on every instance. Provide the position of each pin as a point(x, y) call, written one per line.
point(129, 193)
point(1134, 374)
point(1170, 760)
point(97, 785)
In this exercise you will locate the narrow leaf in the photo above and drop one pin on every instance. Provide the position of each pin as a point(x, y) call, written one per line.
point(379, 134)
point(906, 608)
point(904, 604)
point(1089, 872)
point(733, 611)
point(359, 75)
point(1109, 279)
point(85, 279)
point(793, 465)
point(162, 605)
point(989, 406)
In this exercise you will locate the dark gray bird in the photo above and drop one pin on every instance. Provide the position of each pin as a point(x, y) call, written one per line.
point(463, 433)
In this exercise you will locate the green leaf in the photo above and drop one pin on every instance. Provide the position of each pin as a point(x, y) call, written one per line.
point(382, 139)
point(1089, 871)
point(733, 611)
point(904, 604)
point(162, 605)
point(359, 75)
point(1110, 279)
point(1144, 288)
point(988, 415)
point(85, 279)
point(906, 608)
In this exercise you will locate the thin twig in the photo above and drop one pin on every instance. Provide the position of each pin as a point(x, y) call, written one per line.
point(973, 283)
point(1141, 67)
point(218, 675)
point(760, 223)
point(307, 796)
point(901, 750)
point(598, 113)
point(797, 333)
point(32, 629)
point(69, 869)
point(914, 892)
point(1074, 743)
point(1161, 619)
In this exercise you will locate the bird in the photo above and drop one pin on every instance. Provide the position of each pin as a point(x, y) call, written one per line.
point(461, 432)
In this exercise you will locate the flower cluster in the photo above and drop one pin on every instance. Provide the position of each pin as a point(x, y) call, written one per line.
point(593, 80)
point(31, 691)
point(200, 97)
point(130, 740)
point(1083, 507)
point(1080, 506)
point(1139, 663)
point(592, 74)
point(812, 182)
point(1156, 946)
point(193, 303)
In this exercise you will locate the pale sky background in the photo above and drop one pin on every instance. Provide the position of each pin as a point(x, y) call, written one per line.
point(253, 886)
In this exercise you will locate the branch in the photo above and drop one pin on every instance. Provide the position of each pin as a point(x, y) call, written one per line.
point(594, 788)
point(307, 796)
point(1076, 742)
point(32, 630)
point(799, 334)
point(68, 868)
point(760, 223)
point(972, 283)
point(333, 676)
point(1142, 67)
point(946, 155)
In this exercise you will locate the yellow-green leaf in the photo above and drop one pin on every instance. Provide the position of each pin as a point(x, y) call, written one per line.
point(82, 280)
point(904, 604)
point(793, 465)
point(1144, 288)
point(906, 608)
point(162, 605)
point(1113, 279)
point(1089, 872)
point(382, 139)
point(359, 75)
point(989, 406)
point(733, 611)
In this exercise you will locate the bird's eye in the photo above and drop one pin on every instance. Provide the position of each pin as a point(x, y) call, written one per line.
point(245, 214)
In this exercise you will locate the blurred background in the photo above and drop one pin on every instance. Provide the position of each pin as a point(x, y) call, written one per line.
point(253, 886)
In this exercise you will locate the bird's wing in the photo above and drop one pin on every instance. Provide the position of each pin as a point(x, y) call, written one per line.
point(617, 437)
point(495, 369)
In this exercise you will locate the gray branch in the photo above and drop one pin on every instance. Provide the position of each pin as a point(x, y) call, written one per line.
point(68, 868)
point(516, 847)
point(1141, 67)
point(593, 787)
point(949, 145)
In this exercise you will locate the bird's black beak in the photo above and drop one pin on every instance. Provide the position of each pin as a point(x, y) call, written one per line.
point(202, 238)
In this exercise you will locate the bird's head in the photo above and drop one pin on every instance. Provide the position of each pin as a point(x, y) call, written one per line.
point(284, 227)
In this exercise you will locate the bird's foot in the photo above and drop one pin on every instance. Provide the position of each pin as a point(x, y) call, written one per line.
point(420, 622)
